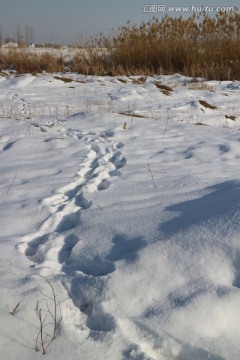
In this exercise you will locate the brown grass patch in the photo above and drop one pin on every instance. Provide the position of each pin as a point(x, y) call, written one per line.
point(64, 79)
point(122, 80)
point(207, 105)
point(23, 61)
point(166, 90)
point(68, 80)
point(140, 80)
point(231, 117)
point(132, 115)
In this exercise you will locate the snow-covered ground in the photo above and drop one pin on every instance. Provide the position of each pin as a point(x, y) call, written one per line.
point(113, 192)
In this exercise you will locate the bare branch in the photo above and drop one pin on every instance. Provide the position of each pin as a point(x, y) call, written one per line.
point(15, 309)
point(151, 174)
point(10, 186)
point(44, 311)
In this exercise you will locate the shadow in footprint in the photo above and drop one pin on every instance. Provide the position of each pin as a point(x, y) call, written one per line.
point(224, 148)
point(89, 266)
point(104, 185)
point(98, 320)
point(83, 203)
point(8, 146)
point(69, 243)
point(73, 259)
point(33, 247)
point(68, 222)
point(83, 291)
point(118, 160)
point(134, 352)
point(115, 173)
point(236, 263)
point(125, 248)
point(236, 282)
point(72, 192)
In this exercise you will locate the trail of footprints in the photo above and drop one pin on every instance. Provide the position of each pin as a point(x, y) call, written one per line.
point(51, 246)
point(103, 161)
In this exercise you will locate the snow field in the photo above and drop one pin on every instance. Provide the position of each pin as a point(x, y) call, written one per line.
point(136, 229)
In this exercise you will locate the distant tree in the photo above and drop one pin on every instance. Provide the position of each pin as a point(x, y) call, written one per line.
point(31, 35)
point(20, 38)
point(19, 34)
point(27, 35)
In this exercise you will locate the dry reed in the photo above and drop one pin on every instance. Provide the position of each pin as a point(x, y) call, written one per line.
point(200, 46)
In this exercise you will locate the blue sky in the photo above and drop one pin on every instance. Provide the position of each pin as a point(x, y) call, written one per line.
point(63, 21)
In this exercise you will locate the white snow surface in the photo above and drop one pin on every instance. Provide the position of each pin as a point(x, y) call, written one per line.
point(112, 191)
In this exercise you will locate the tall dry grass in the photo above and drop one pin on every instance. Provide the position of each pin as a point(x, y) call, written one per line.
point(197, 46)
point(24, 61)
point(200, 46)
